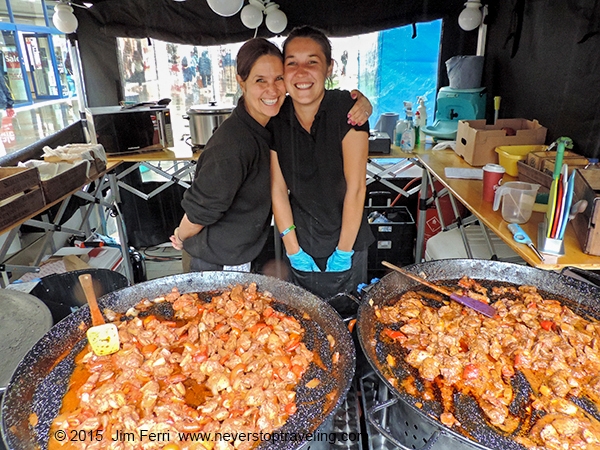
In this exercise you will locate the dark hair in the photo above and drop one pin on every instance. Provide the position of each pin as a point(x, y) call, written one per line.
point(251, 51)
point(317, 35)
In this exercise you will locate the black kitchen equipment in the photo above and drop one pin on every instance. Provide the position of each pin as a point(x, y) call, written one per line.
point(62, 293)
point(136, 129)
point(41, 379)
point(395, 232)
point(579, 296)
point(204, 121)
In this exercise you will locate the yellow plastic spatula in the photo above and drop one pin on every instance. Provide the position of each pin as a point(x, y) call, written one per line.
point(102, 336)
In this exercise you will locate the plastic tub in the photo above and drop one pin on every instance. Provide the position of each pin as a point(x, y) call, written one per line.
point(509, 155)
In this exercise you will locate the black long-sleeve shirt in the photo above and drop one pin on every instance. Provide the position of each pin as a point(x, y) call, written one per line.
point(231, 195)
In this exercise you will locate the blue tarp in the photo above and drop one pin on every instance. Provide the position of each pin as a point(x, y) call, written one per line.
point(402, 69)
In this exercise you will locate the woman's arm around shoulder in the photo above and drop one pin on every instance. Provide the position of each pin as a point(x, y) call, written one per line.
point(355, 148)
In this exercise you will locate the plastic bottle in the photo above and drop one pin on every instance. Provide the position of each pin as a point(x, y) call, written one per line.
point(407, 143)
point(417, 128)
point(400, 127)
point(422, 111)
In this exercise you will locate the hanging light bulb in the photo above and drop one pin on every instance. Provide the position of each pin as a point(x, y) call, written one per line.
point(470, 17)
point(252, 14)
point(225, 8)
point(64, 19)
point(276, 19)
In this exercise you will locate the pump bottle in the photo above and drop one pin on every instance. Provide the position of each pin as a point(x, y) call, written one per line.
point(407, 143)
point(417, 128)
point(400, 127)
point(422, 114)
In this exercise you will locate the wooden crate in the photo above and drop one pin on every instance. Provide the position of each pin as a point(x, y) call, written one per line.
point(14, 180)
point(529, 174)
point(64, 183)
point(20, 194)
point(21, 207)
point(96, 167)
point(586, 224)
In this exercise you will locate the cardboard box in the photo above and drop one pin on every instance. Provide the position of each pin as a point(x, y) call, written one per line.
point(587, 224)
point(476, 141)
point(20, 194)
point(537, 159)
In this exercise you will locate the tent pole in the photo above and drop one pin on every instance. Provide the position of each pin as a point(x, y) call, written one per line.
point(481, 37)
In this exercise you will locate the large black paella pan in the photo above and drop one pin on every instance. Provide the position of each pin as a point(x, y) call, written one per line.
point(41, 379)
point(473, 429)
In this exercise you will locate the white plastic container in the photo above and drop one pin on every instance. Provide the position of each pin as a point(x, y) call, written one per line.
point(407, 144)
point(422, 115)
point(400, 127)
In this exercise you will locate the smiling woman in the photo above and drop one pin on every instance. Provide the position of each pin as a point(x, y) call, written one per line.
point(263, 87)
point(317, 150)
point(231, 185)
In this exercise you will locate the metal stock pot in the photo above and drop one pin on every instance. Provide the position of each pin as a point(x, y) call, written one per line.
point(204, 121)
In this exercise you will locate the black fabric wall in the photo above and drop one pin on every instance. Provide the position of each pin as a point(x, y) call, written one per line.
point(100, 64)
point(552, 77)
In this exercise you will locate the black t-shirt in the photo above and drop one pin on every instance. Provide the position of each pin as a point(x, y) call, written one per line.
point(313, 167)
point(231, 193)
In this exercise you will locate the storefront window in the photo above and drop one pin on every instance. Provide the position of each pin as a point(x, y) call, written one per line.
point(4, 12)
point(11, 67)
point(64, 65)
point(41, 67)
point(28, 12)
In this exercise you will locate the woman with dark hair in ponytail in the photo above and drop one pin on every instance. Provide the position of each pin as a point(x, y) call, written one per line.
point(318, 172)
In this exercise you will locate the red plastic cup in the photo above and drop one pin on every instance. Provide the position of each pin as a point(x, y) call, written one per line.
point(492, 178)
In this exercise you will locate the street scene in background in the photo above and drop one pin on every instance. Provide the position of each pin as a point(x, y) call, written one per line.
point(390, 67)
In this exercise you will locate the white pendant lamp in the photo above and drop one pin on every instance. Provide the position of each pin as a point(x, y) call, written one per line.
point(225, 8)
point(276, 19)
point(470, 17)
point(252, 14)
point(64, 19)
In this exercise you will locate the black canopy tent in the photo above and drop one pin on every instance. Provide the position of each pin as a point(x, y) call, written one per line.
point(193, 22)
point(541, 56)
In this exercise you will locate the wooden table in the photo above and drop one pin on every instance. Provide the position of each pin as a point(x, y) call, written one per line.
point(177, 153)
point(177, 175)
point(469, 193)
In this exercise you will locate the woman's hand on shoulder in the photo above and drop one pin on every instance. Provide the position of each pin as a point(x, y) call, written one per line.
point(176, 242)
point(362, 109)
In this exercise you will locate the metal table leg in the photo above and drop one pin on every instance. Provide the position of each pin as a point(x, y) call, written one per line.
point(116, 199)
point(422, 217)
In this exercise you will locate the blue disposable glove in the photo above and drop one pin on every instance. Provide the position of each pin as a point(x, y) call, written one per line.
point(303, 261)
point(339, 261)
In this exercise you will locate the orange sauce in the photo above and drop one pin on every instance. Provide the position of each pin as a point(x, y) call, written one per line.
point(70, 400)
point(195, 394)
